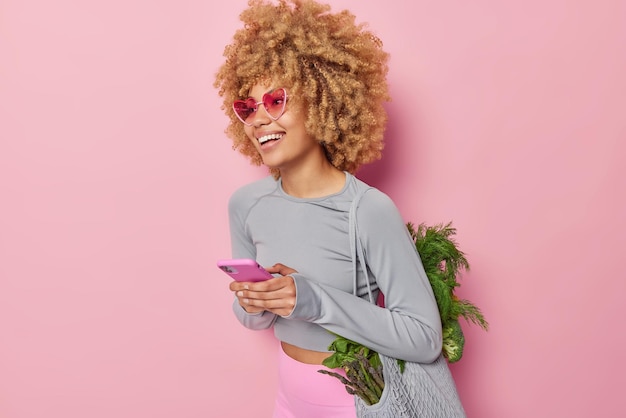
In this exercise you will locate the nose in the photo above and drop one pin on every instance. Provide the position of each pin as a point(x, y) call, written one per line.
point(260, 117)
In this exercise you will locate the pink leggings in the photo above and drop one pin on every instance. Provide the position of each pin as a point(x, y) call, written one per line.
point(304, 393)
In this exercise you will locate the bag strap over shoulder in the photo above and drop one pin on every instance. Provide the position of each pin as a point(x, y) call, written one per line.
point(356, 249)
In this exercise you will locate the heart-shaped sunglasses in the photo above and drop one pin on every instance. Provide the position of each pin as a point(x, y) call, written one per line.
point(273, 102)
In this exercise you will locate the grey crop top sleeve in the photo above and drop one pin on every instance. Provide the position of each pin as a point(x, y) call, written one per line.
point(242, 247)
point(311, 236)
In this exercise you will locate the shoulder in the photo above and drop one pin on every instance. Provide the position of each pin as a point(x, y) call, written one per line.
point(376, 212)
point(378, 218)
point(247, 195)
point(376, 207)
point(373, 202)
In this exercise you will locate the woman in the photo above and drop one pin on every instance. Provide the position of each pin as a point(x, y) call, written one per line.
point(304, 90)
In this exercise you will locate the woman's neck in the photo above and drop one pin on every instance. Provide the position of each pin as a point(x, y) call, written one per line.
point(312, 182)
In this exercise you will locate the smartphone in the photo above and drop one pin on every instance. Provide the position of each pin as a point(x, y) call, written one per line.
point(244, 270)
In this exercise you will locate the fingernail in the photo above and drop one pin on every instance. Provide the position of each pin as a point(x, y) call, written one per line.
point(240, 293)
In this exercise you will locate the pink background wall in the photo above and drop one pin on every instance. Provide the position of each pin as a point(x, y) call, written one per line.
point(508, 119)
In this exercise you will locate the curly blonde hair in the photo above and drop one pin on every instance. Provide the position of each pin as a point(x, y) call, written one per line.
point(332, 67)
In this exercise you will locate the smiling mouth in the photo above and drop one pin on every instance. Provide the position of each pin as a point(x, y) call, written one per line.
point(271, 137)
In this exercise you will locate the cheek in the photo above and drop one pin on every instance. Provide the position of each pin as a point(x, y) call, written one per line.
point(250, 133)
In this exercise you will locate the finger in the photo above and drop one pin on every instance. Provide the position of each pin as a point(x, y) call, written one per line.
point(281, 269)
point(267, 289)
point(275, 295)
point(235, 286)
point(280, 306)
point(249, 308)
point(262, 286)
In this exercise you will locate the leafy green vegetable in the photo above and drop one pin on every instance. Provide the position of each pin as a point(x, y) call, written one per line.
point(364, 371)
point(443, 262)
point(453, 341)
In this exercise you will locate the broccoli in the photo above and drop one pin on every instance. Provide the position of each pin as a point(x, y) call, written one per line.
point(453, 341)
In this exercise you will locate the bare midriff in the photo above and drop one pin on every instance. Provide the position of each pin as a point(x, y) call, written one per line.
point(303, 355)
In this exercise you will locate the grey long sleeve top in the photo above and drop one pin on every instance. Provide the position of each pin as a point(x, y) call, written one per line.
point(311, 236)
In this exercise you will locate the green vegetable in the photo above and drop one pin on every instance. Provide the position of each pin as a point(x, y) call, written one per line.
point(453, 341)
point(443, 263)
point(364, 371)
point(347, 351)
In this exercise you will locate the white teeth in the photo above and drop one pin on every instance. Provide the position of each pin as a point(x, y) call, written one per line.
point(265, 138)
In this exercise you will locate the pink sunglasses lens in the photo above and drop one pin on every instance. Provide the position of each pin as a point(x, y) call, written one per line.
point(244, 108)
point(275, 103)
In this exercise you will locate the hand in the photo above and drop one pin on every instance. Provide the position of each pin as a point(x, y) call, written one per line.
point(277, 295)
